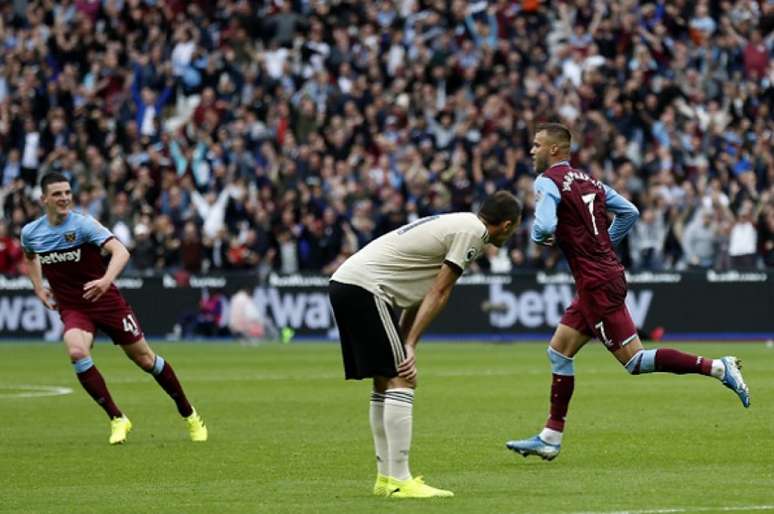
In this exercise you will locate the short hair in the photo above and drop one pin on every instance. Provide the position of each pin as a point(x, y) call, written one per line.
point(557, 132)
point(500, 206)
point(51, 178)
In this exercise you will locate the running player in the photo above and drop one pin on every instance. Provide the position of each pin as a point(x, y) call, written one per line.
point(571, 211)
point(65, 247)
point(412, 268)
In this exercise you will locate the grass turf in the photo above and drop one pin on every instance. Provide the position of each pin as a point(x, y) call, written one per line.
point(288, 435)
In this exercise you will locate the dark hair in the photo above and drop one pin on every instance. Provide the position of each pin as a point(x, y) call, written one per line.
point(51, 178)
point(500, 206)
point(556, 131)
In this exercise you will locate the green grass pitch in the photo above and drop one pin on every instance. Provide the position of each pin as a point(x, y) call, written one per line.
point(289, 435)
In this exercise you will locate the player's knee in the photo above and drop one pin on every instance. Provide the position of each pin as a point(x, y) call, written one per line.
point(77, 353)
point(560, 364)
point(400, 383)
point(644, 361)
point(145, 360)
point(409, 384)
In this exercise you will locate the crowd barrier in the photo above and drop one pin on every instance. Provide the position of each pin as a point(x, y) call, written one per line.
point(711, 305)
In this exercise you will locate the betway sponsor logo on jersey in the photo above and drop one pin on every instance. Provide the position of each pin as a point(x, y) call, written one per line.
point(572, 176)
point(57, 257)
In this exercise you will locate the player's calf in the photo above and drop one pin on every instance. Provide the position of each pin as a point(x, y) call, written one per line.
point(727, 369)
point(562, 387)
point(669, 360)
point(165, 376)
point(548, 442)
point(94, 384)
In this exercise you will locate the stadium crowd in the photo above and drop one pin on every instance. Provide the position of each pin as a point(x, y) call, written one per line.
point(278, 135)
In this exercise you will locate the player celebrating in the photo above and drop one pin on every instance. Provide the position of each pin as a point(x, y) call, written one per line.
point(64, 246)
point(412, 268)
point(571, 212)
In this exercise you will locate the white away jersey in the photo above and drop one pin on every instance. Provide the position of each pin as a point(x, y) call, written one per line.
point(400, 266)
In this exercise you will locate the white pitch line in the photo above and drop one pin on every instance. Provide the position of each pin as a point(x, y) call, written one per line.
point(34, 391)
point(680, 510)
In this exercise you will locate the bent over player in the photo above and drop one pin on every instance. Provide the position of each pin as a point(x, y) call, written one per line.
point(412, 268)
point(571, 211)
point(65, 247)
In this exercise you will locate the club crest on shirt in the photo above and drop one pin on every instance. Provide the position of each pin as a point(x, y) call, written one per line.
point(471, 254)
point(69, 237)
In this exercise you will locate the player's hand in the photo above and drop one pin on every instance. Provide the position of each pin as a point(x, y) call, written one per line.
point(47, 298)
point(95, 289)
point(549, 241)
point(408, 368)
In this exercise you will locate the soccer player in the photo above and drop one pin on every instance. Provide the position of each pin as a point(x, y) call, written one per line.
point(412, 268)
point(65, 247)
point(571, 211)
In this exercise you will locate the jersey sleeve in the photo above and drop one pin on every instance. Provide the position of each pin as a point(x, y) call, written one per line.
point(626, 214)
point(547, 200)
point(94, 232)
point(25, 240)
point(464, 249)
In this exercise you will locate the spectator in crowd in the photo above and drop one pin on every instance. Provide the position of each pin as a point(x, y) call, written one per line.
point(247, 322)
point(647, 241)
point(699, 241)
point(268, 127)
point(11, 168)
point(766, 234)
point(499, 260)
point(143, 250)
point(191, 249)
point(743, 240)
point(212, 317)
point(10, 252)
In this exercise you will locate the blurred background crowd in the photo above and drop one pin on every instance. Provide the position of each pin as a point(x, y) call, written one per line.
point(284, 135)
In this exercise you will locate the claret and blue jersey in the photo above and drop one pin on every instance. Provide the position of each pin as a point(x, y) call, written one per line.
point(69, 253)
point(572, 206)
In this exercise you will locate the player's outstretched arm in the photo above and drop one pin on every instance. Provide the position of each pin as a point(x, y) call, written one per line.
point(547, 199)
point(35, 274)
point(626, 214)
point(433, 303)
point(119, 257)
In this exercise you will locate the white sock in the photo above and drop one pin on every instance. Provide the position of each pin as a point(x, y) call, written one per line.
point(718, 369)
point(551, 436)
point(398, 407)
point(376, 416)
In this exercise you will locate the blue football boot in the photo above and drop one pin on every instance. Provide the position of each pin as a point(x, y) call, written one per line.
point(534, 446)
point(732, 379)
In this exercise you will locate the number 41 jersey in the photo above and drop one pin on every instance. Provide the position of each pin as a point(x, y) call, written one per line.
point(582, 227)
point(70, 256)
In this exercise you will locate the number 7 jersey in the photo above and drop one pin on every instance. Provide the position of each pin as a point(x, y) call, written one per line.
point(579, 205)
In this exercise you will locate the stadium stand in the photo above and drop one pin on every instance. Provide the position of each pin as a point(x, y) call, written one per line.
point(278, 135)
